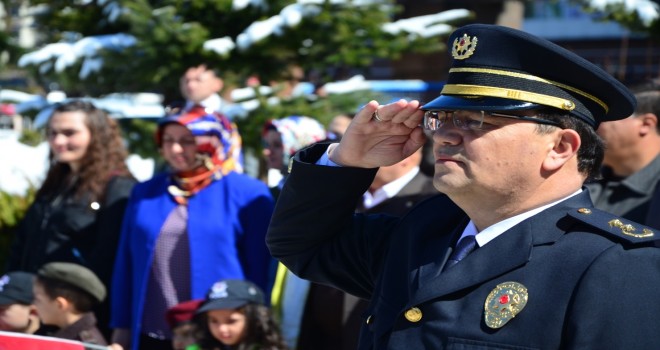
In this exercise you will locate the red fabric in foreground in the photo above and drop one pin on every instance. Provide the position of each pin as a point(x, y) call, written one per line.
point(14, 341)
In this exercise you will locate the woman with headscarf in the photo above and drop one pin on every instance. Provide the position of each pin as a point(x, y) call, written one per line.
point(282, 138)
point(187, 228)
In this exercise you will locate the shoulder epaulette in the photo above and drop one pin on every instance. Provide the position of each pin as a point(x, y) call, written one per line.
point(615, 226)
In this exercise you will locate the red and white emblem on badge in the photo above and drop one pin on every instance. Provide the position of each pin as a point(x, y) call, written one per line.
point(504, 303)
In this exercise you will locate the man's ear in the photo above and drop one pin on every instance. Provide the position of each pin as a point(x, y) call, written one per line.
point(564, 148)
point(649, 123)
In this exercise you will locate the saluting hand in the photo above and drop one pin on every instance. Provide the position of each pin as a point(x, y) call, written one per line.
point(372, 143)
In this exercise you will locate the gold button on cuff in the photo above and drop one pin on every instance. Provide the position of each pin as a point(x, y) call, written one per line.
point(369, 319)
point(584, 211)
point(413, 314)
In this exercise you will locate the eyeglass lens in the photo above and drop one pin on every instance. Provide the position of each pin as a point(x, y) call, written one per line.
point(466, 120)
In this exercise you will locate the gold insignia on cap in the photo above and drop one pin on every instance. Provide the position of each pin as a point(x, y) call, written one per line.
point(629, 230)
point(504, 303)
point(463, 47)
point(413, 314)
point(584, 211)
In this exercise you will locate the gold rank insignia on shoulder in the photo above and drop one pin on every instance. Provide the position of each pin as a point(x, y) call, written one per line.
point(630, 230)
point(504, 303)
point(463, 47)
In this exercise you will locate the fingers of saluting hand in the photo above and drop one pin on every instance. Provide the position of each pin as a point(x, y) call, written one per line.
point(381, 135)
point(400, 112)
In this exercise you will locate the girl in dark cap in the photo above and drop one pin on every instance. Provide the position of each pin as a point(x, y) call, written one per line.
point(234, 317)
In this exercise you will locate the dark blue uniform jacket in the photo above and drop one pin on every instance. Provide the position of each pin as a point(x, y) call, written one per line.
point(592, 279)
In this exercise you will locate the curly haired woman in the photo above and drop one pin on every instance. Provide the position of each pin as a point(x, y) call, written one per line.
point(77, 213)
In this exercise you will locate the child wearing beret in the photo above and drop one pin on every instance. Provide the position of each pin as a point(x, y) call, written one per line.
point(180, 318)
point(64, 295)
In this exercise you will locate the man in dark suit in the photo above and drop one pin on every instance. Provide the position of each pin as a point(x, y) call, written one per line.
point(631, 171)
point(515, 256)
point(332, 318)
point(397, 188)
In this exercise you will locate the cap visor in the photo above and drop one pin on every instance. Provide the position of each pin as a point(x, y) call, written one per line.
point(477, 103)
point(220, 304)
point(5, 300)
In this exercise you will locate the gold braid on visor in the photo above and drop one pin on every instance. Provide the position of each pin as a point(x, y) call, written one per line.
point(491, 91)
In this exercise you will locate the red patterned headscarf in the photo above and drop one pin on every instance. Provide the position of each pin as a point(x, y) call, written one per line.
point(218, 158)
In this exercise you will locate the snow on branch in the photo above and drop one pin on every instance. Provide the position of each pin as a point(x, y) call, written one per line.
point(67, 54)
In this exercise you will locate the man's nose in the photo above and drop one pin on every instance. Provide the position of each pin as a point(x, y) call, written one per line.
point(448, 134)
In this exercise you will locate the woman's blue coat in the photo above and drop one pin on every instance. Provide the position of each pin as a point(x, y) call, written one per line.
point(227, 223)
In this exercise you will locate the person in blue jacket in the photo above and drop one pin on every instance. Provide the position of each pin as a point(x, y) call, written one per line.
point(185, 229)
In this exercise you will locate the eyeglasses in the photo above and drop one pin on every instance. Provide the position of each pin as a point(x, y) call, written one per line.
point(472, 120)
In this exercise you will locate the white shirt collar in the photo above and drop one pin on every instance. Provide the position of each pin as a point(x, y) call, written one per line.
point(491, 232)
point(214, 102)
point(388, 190)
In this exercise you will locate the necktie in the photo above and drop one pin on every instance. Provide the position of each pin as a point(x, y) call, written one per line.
point(464, 247)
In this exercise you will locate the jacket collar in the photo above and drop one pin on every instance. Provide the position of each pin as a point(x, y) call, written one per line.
point(508, 251)
point(86, 322)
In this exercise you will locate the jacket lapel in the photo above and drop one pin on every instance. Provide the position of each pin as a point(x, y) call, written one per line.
point(436, 254)
point(506, 252)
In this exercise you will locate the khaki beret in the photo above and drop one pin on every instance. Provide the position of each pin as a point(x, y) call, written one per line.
point(76, 275)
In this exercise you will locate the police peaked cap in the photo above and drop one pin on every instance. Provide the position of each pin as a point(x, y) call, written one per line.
point(498, 68)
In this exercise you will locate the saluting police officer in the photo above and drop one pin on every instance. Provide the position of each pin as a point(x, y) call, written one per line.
point(513, 255)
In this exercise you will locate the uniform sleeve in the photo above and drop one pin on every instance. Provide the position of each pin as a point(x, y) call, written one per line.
point(616, 304)
point(315, 233)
